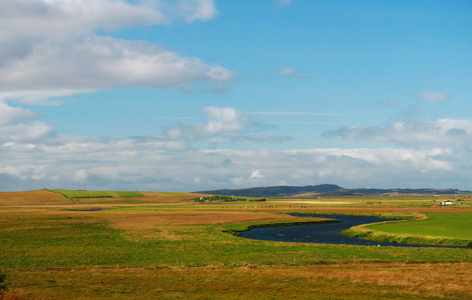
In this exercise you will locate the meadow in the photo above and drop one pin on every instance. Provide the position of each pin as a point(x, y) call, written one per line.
point(434, 228)
point(143, 245)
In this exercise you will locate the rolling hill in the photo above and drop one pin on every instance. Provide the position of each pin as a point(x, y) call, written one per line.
point(325, 190)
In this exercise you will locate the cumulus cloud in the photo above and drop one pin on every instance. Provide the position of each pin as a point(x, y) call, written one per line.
point(446, 133)
point(223, 119)
point(53, 49)
point(223, 124)
point(256, 175)
point(34, 155)
point(12, 115)
point(130, 164)
point(58, 19)
point(102, 62)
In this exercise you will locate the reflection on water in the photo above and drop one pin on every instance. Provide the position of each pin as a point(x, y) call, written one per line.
point(329, 233)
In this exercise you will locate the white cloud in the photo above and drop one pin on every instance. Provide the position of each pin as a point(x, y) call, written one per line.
point(11, 115)
point(31, 150)
point(40, 97)
point(224, 124)
point(51, 48)
point(20, 125)
point(434, 96)
point(446, 133)
point(256, 175)
point(34, 156)
point(133, 165)
point(59, 19)
point(223, 119)
point(80, 175)
point(102, 62)
point(193, 10)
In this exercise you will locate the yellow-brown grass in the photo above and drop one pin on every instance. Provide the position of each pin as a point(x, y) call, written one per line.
point(199, 217)
point(170, 197)
point(169, 214)
point(38, 197)
point(366, 210)
point(355, 281)
point(426, 279)
point(162, 223)
point(45, 197)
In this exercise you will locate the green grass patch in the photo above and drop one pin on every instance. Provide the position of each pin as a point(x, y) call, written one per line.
point(44, 241)
point(125, 251)
point(453, 225)
point(172, 193)
point(127, 194)
point(439, 228)
point(83, 194)
point(364, 200)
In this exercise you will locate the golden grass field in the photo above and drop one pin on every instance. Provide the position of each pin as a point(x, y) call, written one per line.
point(164, 246)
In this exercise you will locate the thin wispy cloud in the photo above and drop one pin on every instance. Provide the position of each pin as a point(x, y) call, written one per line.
point(285, 71)
point(289, 71)
point(443, 133)
point(175, 118)
point(292, 113)
point(434, 96)
point(314, 123)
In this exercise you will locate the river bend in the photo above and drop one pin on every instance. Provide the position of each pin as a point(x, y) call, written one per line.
point(326, 233)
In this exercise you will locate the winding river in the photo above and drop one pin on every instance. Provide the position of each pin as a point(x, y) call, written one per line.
point(327, 233)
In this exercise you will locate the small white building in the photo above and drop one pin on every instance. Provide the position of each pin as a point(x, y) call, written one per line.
point(449, 202)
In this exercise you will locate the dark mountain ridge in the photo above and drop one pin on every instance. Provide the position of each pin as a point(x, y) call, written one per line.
point(324, 190)
point(275, 191)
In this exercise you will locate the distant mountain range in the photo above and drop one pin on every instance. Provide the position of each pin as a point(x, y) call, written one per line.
point(323, 190)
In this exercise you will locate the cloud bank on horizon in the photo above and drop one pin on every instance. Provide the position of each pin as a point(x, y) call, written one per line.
point(199, 94)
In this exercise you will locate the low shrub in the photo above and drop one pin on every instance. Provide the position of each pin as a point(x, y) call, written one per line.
point(3, 285)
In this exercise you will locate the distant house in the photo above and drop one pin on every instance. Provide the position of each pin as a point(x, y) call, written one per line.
point(446, 202)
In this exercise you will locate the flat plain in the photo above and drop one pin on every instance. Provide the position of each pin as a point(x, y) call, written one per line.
point(143, 245)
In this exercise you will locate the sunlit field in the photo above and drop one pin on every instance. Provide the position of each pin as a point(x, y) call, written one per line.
point(450, 228)
point(144, 245)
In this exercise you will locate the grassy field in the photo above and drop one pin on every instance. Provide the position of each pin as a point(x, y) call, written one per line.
point(127, 194)
point(384, 201)
point(83, 194)
point(436, 228)
point(164, 245)
point(456, 225)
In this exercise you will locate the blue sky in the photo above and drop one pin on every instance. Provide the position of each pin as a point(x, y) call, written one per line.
point(198, 94)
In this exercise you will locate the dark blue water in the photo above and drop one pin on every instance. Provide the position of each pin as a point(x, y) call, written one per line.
point(328, 233)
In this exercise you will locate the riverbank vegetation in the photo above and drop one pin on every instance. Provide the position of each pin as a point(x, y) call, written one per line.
point(165, 245)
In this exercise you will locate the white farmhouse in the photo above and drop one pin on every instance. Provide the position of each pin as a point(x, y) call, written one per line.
point(448, 202)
